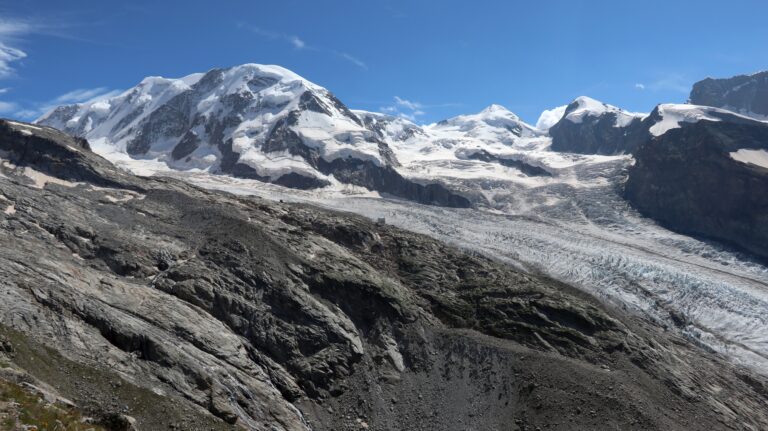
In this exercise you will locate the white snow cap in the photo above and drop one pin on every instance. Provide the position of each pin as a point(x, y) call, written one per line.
point(589, 107)
point(673, 114)
point(497, 109)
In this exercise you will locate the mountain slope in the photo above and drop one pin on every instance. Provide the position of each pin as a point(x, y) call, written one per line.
point(250, 121)
point(745, 94)
point(289, 317)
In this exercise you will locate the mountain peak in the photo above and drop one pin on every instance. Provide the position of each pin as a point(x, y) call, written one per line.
point(584, 106)
point(494, 108)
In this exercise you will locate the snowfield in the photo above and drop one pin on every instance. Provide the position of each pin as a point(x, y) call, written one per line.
point(753, 157)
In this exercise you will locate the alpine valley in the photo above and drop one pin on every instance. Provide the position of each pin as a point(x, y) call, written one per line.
point(239, 249)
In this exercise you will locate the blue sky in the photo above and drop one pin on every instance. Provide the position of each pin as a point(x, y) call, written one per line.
point(425, 59)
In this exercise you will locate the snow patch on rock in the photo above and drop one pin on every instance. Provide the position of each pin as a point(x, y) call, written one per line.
point(752, 157)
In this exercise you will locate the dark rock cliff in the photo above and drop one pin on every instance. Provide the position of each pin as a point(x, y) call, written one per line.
point(687, 180)
point(746, 94)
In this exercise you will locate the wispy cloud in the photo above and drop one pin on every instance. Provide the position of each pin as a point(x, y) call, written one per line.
point(354, 60)
point(82, 95)
point(290, 38)
point(299, 44)
point(407, 103)
point(404, 108)
point(10, 33)
point(7, 107)
point(673, 82)
point(412, 110)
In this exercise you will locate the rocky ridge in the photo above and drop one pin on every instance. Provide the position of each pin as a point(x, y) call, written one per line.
point(744, 94)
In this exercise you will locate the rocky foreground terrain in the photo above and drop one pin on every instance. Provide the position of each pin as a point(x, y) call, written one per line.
point(148, 303)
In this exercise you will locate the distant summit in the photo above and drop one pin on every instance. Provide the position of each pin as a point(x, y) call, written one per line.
point(745, 94)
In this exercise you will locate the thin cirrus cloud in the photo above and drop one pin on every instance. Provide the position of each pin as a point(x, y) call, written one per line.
point(10, 33)
point(412, 110)
point(408, 109)
point(6, 107)
point(299, 44)
point(82, 95)
point(675, 83)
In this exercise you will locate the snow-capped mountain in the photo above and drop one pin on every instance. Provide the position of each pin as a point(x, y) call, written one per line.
point(493, 124)
point(592, 127)
point(745, 94)
point(587, 109)
point(251, 121)
point(488, 144)
point(200, 120)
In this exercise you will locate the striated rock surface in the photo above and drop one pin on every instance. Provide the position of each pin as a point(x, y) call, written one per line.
point(238, 312)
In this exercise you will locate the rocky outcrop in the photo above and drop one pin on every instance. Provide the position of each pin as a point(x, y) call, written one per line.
point(592, 127)
point(524, 167)
point(745, 94)
point(691, 180)
point(224, 311)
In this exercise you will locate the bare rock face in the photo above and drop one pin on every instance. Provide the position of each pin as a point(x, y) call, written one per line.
point(226, 312)
point(745, 94)
point(699, 179)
